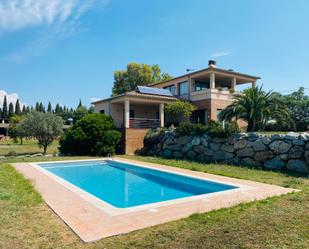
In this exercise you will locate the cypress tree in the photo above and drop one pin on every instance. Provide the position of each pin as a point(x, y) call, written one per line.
point(11, 109)
point(80, 104)
point(49, 107)
point(5, 113)
point(41, 107)
point(57, 109)
point(37, 107)
point(24, 110)
point(17, 108)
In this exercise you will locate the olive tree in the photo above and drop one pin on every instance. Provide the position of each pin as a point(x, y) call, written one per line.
point(45, 127)
point(16, 130)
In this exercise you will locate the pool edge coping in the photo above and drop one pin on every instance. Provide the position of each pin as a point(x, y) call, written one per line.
point(92, 234)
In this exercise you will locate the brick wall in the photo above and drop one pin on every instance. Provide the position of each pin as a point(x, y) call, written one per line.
point(133, 140)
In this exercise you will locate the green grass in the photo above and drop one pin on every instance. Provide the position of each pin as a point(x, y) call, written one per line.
point(9, 148)
point(278, 222)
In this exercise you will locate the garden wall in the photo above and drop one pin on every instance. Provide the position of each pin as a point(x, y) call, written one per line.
point(290, 151)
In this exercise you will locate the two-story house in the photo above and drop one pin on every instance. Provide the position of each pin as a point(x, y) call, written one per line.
point(210, 89)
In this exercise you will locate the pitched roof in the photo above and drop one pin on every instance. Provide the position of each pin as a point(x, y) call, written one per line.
point(209, 69)
point(137, 94)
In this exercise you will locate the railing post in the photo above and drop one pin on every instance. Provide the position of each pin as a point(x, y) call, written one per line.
point(212, 81)
point(126, 114)
point(161, 114)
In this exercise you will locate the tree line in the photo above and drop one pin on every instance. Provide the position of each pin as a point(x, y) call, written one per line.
point(9, 110)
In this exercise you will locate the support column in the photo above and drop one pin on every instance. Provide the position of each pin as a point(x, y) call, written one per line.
point(161, 114)
point(126, 114)
point(212, 81)
point(253, 84)
point(233, 85)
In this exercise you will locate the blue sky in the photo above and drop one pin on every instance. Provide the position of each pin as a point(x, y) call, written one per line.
point(64, 50)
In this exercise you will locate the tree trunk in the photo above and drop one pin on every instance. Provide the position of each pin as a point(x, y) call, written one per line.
point(45, 148)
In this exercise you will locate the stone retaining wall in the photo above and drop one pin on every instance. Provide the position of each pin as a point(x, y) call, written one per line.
point(290, 151)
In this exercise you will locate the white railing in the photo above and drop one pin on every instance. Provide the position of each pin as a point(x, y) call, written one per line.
point(144, 123)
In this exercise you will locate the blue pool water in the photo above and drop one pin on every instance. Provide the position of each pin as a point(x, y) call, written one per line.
point(125, 185)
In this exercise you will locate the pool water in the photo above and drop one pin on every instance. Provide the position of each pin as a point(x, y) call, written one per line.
point(125, 185)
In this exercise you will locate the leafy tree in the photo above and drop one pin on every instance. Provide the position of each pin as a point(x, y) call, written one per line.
point(93, 134)
point(16, 131)
point(5, 112)
point(79, 113)
point(49, 107)
point(17, 108)
point(11, 110)
point(135, 75)
point(166, 76)
point(257, 108)
point(45, 127)
point(179, 110)
point(298, 105)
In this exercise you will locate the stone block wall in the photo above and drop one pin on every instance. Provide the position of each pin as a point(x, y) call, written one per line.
point(290, 151)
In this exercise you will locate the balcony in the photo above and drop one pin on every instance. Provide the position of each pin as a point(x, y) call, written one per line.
point(214, 93)
point(144, 123)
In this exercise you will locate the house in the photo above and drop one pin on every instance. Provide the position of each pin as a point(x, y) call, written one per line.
point(210, 89)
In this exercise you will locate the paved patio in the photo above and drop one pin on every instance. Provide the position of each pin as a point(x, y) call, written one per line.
point(92, 219)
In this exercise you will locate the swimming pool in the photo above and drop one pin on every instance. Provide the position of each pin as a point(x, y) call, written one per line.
point(125, 185)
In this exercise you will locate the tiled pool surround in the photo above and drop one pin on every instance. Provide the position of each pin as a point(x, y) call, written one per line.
point(91, 218)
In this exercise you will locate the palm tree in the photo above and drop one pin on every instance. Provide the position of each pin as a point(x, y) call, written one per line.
point(256, 107)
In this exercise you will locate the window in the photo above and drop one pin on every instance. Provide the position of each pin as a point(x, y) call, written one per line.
point(171, 88)
point(183, 88)
point(102, 111)
point(199, 85)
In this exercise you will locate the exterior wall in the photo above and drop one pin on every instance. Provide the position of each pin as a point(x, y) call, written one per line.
point(98, 107)
point(145, 111)
point(117, 113)
point(133, 140)
point(172, 82)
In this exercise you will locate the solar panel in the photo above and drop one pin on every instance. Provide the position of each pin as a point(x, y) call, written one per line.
point(154, 91)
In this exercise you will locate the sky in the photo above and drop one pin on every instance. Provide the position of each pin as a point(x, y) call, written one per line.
point(65, 50)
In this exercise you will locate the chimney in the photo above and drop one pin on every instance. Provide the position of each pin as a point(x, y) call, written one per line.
point(212, 63)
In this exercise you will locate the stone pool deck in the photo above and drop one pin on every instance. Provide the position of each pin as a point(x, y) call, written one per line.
point(91, 219)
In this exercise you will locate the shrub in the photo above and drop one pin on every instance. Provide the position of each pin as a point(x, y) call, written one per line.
point(94, 135)
point(213, 129)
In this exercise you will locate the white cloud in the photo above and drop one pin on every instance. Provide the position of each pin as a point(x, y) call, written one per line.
point(11, 98)
point(220, 54)
point(60, 18)
point(19, 14)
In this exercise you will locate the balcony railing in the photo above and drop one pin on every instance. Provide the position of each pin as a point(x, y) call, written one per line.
point(144, 123)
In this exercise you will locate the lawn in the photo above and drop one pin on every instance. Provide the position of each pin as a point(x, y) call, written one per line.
point(278, 222)
point(9, 148)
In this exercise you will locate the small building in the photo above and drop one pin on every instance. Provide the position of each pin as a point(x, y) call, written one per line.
point(210, 89)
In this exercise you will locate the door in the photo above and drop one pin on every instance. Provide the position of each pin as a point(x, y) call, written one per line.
point(200, 116)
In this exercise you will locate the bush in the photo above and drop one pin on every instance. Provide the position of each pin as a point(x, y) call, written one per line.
point(153, 137)
point(93, 135)
point(213, 129)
